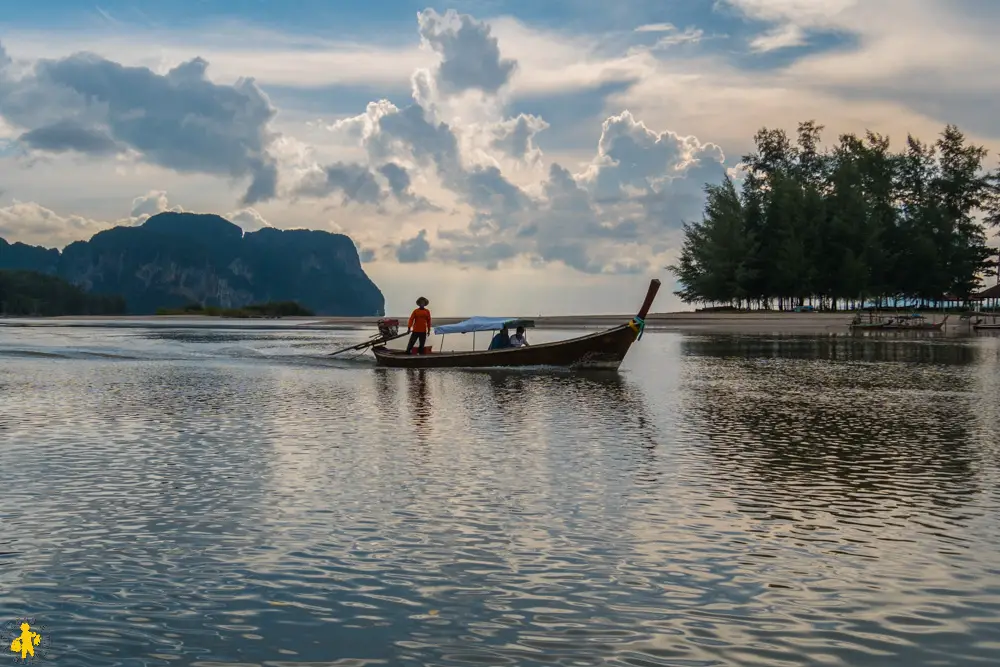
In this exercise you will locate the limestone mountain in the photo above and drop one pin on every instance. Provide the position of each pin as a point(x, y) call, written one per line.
point(21, 257)
point(174, 259)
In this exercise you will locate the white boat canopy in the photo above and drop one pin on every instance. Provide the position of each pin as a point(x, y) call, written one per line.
point(483, 324)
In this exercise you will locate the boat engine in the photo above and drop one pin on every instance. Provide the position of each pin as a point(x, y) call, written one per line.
point(388, 328)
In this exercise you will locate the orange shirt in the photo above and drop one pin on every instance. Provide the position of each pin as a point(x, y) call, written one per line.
point(420, 320)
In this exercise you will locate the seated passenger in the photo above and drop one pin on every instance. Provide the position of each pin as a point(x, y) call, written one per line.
point(500, 341)
point(519, 339)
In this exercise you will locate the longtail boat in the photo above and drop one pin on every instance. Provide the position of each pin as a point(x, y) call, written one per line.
point(977, 321)
point(914, 322)
point(604, 350)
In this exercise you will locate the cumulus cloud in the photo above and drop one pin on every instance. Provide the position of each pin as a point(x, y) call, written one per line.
point(364, 185)
point(805, 13)
point(633, 159)
point(606, 219)
point(459, 156)
point(506, 200)
point(31, 223)
point(569, 225)
point(354, 182)
point(791, 20)
point(180, 120)
point(400, 185)
point(412, 134)
point(414, 249)
point(67, 135)
point(149, 204)
point(393, 138)
point(622, 232)
point(470, 54)
point(248, 219)
point(34, 224)
point(516, 137)
point(494, 197)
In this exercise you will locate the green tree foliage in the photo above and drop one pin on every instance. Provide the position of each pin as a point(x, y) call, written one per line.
point(40, 294)
point(854, 223)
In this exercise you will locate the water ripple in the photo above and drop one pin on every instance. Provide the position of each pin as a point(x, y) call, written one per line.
point(231, 498)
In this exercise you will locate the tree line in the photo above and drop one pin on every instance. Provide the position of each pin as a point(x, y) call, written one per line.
point(37, 294)
point(269, 310)
point(853, 224)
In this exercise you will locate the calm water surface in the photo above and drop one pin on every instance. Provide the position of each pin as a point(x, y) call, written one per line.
point(205, 497)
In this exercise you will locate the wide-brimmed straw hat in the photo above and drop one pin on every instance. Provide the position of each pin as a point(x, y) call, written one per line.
point(422, 301)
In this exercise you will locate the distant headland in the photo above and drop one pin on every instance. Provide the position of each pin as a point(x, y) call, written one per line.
point(179, 261)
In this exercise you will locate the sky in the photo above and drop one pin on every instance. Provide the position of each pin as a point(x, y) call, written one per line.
point(498, 157)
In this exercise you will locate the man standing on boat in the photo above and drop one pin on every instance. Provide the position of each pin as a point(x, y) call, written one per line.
point(419, 325)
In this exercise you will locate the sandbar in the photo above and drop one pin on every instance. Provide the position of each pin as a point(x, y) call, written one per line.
point(762, 322)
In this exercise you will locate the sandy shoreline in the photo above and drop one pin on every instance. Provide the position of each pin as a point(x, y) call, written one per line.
point(736, 323)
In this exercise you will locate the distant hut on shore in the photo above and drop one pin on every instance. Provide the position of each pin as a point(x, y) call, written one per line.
point(989, 298)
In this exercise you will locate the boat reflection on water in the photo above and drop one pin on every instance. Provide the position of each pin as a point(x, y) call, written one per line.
point(596, 410)
point(386, 392)
point(420, 404)
point(606, 412)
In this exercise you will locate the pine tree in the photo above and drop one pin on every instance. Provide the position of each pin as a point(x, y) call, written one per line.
point(852, 224)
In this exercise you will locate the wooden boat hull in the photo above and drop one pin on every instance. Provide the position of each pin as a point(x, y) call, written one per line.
point(604, 350)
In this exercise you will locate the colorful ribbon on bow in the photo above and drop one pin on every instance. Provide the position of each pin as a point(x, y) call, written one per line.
point(638, 325)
